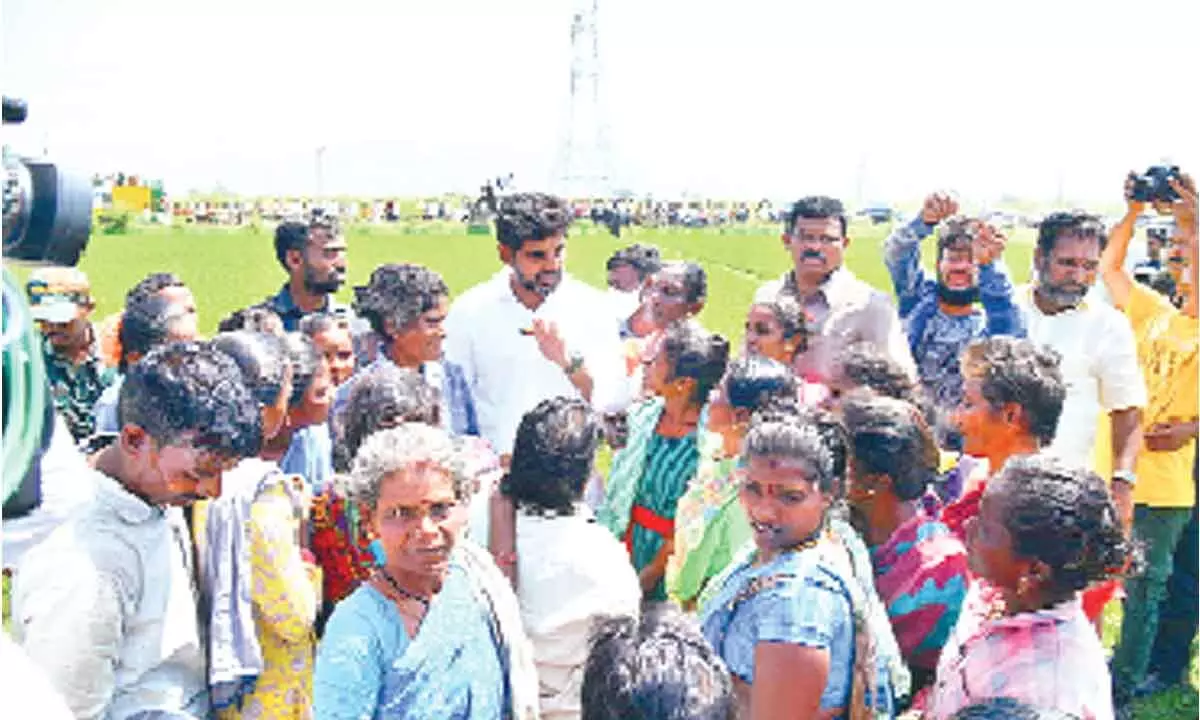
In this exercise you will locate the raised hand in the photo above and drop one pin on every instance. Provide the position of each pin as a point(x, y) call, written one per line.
point(989, 245)
point(938, 207)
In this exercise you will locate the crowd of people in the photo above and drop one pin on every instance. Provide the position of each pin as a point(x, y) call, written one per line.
point(871, 508)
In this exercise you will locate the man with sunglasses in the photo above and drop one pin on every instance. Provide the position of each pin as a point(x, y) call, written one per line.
point(842, 309)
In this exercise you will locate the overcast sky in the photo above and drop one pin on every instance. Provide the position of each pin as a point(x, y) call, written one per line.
point(746, 98)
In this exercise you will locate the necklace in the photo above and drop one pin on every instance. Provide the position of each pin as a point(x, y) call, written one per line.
point(399, 590)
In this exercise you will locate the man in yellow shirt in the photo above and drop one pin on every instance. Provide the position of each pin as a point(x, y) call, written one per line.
point(1168, 340)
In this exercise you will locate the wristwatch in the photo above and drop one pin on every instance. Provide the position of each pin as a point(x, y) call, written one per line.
point(1126, 476)
point(574, 363)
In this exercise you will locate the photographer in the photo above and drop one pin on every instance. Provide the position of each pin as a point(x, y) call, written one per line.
point(1167, 345)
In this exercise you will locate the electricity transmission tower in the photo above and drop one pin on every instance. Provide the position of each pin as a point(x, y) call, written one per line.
point(584, 160)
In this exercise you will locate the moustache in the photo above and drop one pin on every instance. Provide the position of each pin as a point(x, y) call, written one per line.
point(811, 255)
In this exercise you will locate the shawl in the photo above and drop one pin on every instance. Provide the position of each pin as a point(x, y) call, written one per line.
point(628, 466)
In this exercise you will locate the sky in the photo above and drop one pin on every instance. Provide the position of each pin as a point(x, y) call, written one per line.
point(869, 100)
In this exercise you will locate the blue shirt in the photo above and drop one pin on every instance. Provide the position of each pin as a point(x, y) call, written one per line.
point(458, 408)
point(310, 455)
point(936, 338)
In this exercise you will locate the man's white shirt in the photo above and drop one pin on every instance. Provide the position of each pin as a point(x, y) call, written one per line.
point(1099, 367)
point(507, 372)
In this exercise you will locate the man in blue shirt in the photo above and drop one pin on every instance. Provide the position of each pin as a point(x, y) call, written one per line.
point(314, 256)
point(940, 314)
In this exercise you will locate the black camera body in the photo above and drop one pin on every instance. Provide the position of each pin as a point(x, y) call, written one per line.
point(1154, 184)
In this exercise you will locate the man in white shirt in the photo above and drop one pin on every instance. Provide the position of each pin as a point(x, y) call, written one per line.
point(531, 332)
point(1099, 353)
point(106, 604)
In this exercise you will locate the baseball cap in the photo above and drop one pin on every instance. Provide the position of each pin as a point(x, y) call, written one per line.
point(57, 293)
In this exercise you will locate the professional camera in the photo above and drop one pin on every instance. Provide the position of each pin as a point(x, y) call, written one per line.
point(1154, 186)
point(47, 211)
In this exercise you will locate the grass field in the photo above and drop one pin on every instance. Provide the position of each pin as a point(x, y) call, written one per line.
point(231, 268)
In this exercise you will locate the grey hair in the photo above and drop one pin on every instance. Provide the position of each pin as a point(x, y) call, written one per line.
point(396, 449)
point(382, 395)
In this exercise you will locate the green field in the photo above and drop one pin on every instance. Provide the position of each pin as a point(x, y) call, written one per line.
point(231, 268)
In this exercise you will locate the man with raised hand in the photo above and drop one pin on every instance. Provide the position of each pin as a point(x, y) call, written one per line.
point(1168, 343)
point(941, 314)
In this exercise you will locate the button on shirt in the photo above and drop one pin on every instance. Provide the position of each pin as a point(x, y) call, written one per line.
point(106, 606)
point(842, 312)
point(507, 372)
point(1099, 366)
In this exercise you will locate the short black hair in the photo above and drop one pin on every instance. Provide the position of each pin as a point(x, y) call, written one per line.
point(256, 318)
point(382, 396)
point(294, 235)
point(305, 358)
point(1075, 223)
point(152, 284)
point(693, 352)
point(1064, 517)
point(644, 259)
point(145, 324)
point(1020, 371)
point(657, 668)
point(890, 437)
point(398, 294)
point(182, 388)
point(552, 456)
point(522, 217)
point(752, 381)
point(1009, 709)
point(818, 207)
point(262, 358)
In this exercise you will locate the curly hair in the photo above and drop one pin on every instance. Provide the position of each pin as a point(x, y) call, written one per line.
point(396, 295)
point(522, 217)
point(305, 359)
point(693, 352)
point(890, 437)
point(552, 456)
point(657, 668)
point(382, 396)
point(815, 207)
point(1022, 372)
point(809, 436)
point(261, 357)
point(644, 259)
point(1064, 517)
point(183, 388)
point(256, 318)
point(1008, 709)
point(152, 284)
point(1073, 223)
point(863, 364)
point(145, 325)
point(396, 449)
point(751, 382)
point(791, 317)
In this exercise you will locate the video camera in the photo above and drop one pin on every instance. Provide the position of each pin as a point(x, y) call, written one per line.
point(1154, 184)
point(47, 212)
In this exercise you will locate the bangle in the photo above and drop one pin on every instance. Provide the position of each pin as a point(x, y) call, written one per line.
point(1125, 476)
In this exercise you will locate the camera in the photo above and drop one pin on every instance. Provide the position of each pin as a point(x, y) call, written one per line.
point(47, 211)
point(1154, 186)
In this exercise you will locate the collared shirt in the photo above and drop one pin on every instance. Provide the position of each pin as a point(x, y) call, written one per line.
point(1099, 366)
point(843, 311)
point(1051, 659)
point(106, 606)
point(284, 305)
point(76, 388)
point(506, 371)
point(936, 338)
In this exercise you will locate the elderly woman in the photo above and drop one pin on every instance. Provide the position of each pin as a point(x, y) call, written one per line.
point(435, 631)
point(406, 306)
point(263, 590)
point(571, 572)
point(790, 617)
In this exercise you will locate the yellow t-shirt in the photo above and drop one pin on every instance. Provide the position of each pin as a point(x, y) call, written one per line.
point(1168, 344)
